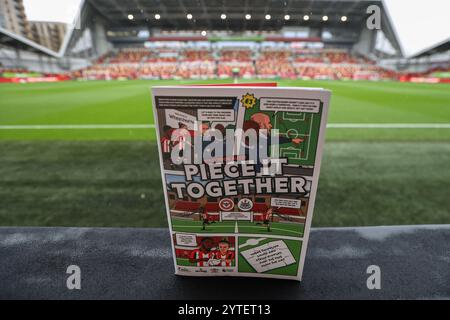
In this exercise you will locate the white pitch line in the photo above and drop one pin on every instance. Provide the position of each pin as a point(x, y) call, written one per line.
point(152, 126)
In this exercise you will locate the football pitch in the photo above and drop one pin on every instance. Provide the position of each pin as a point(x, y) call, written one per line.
point(276, 228)
point(84, 154)
point(100, 110)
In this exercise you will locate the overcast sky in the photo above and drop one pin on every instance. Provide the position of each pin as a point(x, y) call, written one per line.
point(419, 24)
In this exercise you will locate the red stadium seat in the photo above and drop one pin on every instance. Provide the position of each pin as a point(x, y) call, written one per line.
point(289, 211)
point(260, 208)
point(203, 63)
point(188, 206)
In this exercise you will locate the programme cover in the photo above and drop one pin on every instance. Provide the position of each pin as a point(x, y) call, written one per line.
point(240, 167)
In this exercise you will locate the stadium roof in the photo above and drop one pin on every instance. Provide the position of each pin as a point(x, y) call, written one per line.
point(11, 39)
point(207, 13)
point(440, 47)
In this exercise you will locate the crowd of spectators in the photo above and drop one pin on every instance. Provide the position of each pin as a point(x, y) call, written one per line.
point(235, 55)
point(205, 63)
point(197, 55)
point(243, 69)
point(275, 63)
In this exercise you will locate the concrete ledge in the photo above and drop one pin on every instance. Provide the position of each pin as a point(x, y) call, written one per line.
point(137, 264)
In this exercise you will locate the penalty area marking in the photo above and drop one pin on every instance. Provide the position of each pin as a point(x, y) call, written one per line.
point(152, 126)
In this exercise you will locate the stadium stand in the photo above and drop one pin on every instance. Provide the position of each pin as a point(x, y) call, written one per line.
point(254, 48)
point(213, 211)
point(186, 206)
point(179, 63)
point(434, 75)
point(273, 63)
point(20, 75)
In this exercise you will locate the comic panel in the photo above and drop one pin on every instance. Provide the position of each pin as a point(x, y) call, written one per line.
point(249, 213)
point(269, 255)
point(204, 253)
point(180, 126)
point(296, 120)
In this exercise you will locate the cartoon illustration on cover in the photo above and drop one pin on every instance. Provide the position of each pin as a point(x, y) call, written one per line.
point(238, 173)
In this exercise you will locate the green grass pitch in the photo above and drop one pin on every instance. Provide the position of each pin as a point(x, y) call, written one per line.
point(129, 102)
point(185, 262)
point(293, 125)
point(305, 127)
point(191, 226)
point(277, 228)
point(111, 177)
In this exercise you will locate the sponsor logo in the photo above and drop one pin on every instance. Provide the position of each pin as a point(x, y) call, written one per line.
point(245, 204)
point(226, 204)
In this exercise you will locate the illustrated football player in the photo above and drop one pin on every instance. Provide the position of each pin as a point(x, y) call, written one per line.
point(259, 121)
point(224, 254)
point(267, 216)
point(181, 137)
point(205, 218)
point(203, 253)
point(166, 144)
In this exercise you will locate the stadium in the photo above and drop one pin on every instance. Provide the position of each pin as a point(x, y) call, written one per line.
point(89, 184)
point(77, 132)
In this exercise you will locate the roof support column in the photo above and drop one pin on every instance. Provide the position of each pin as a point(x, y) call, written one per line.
point(18, 58)
point(366, 42)
point(101, 45)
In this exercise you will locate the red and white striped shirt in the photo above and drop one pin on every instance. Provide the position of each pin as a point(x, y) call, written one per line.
point(226, 259)
point(180, 138)
point(266, 216)
point(165, 144)
point(182, 141)
point(201, 257)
